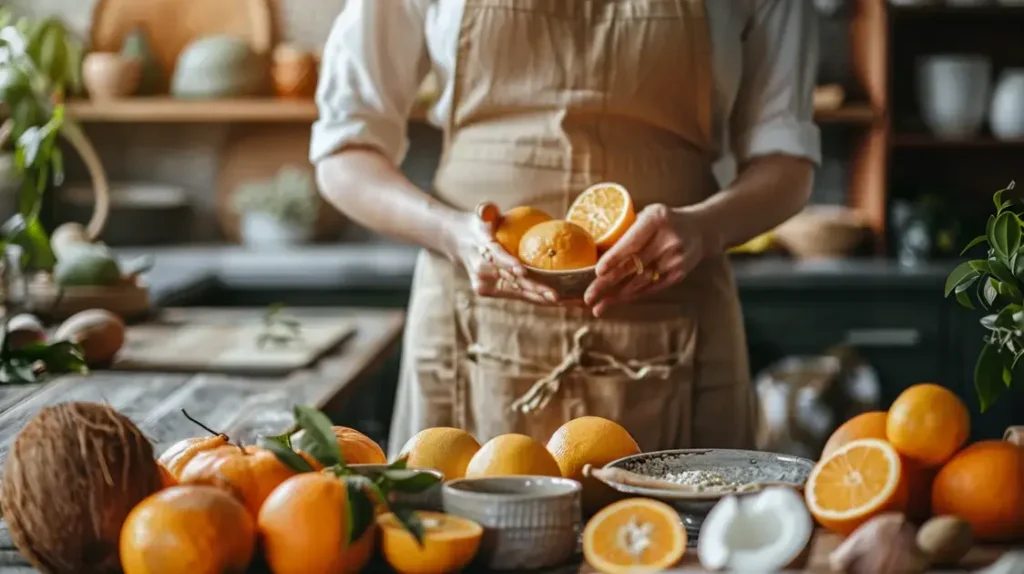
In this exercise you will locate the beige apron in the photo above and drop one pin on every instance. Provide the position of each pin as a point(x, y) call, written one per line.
point(549, 98)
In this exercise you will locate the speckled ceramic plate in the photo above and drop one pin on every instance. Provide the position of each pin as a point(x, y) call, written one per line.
point(734, 466)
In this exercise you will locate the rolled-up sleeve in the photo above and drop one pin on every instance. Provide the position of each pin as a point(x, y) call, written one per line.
point(373, 63)
point(774, 109)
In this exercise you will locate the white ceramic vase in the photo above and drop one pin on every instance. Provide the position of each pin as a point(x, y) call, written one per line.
point(953, 93)
point(264, 231)
point(1006, 116)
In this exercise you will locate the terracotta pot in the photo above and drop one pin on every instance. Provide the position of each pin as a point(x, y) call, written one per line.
point(108, 75)
point(294, 72)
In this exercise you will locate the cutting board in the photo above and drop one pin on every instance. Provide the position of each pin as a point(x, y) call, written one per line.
point(228, 345)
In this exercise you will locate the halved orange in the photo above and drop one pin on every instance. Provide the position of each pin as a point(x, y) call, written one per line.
point(854, 483)
point(605, 210)
point(634, 535)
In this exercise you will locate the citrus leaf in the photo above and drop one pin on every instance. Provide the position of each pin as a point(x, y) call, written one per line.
point(360, 510)
point(997, 199)
point(1007, 377)
point(988, 374)
point(964, 300)
point(318, 440)
point(1000, 270)
point(980, 265)
point(1010, 291)
point(973, 243)
point(410, 481)
point(410, 521)
point(990, 291)
point(399, 464)
point(961, 274)
point(281, 447)
point(1005, 236)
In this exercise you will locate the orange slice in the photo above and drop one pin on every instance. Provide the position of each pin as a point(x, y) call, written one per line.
point(634, 535)
point(449, 543)
point(605, 210)
point(854, 483)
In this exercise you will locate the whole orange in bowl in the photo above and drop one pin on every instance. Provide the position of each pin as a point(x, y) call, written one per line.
point(984, 485)
point(928, 423)
point(561, 255)
point(511, 455)
point(596, 441)
point(605, 210)
point(304, 525)
point(356, 447)
point(513, 225)
point(196, 529)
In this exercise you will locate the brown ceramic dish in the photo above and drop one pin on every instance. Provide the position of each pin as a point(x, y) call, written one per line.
point(568, 284)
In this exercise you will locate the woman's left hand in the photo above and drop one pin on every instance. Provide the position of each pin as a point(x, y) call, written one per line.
point(660, 249)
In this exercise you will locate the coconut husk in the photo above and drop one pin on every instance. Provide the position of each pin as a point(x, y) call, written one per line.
point(70, 479)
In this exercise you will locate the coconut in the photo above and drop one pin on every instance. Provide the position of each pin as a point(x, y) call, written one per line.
point(99, 332)
point(763, 532)
point(71, 476)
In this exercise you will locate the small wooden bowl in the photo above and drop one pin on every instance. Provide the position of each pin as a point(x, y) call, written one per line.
point(128, 300)
point(823, 232)
point(568, 284)
point(110, 76)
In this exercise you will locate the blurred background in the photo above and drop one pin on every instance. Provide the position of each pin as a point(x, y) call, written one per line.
point(921, 106)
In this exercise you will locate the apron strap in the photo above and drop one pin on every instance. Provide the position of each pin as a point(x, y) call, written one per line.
point(580, 357)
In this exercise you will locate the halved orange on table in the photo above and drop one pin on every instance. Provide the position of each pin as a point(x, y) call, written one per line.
point(856, 482)
point(605, 210)
point(634, 535)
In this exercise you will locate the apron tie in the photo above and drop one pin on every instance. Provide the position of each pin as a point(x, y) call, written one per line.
point(545, 389)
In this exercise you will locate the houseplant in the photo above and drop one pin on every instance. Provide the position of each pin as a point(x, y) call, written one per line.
point(39, 62)
point(277, 212)
point(996, 284)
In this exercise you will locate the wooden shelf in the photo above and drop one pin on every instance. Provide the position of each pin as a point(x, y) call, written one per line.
point(170, 111)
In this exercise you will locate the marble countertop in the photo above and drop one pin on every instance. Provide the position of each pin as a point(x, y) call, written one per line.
point(390, 266)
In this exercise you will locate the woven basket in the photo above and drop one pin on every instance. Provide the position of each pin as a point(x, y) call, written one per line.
point(42, 297)
point(823, 232)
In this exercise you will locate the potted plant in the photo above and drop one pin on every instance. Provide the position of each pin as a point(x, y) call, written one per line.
point(39, 62)
point(278, 212)
point(996, 284)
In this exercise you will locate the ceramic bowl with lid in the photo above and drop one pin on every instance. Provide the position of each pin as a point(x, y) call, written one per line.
point(530, 522)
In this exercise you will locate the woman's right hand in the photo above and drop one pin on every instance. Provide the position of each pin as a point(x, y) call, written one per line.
point(493, 272)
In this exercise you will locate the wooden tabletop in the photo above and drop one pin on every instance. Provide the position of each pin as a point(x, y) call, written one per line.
point(242, 407)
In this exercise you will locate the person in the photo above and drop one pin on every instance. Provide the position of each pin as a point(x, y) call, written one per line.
point(539, 100)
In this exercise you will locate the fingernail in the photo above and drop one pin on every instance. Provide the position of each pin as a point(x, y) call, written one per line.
point(550, 297)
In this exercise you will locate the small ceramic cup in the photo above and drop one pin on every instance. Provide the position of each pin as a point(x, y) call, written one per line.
point(530, 522)
point(107, 75)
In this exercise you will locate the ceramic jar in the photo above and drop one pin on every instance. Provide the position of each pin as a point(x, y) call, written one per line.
point(107, 75)
point(1006, 116)
point(264, 231)
point(294, 72)
point(953, 93)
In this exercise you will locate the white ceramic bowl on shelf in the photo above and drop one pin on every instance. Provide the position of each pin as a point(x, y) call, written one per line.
point(953, 93)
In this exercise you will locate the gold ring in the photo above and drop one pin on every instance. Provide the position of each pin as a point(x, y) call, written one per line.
point(499, 285)
point(654, 275)
point(638, 264)
point(485, 253)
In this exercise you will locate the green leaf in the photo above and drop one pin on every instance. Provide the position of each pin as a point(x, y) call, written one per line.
point(1010, 291)
point(360, 508)
point(997, 199)
point(980, 265)
point(973, 243)
point(410, 521)
point(318, 440)
point(1001, 271)
point(410, 481)
point(281, 447)
point(400, 463)
point(1007, 377)
point(964, 300)
point(990, 291)
point(988, 375)
point(963, 273)
point(1005, 236)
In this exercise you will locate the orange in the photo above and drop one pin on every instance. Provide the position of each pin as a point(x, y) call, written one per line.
point(514, 224)
point(166, 478)
point(595, 441)
point(984, 485)
point(634, 535)
point(864, 425)
point(195, 529)
point(928, 423)
point(303, 528)
point(175, 458)
point(449, 543)
point(856, 482)
point(605, 210)
point(251, 473)
point(356, 448)
point(445, 449)
point(558, 246)
point(512, 454)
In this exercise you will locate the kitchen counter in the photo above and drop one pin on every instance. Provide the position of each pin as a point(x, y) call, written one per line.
point(390, 266)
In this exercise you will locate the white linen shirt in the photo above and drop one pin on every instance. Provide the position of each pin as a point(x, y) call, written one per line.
point(765, 58)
